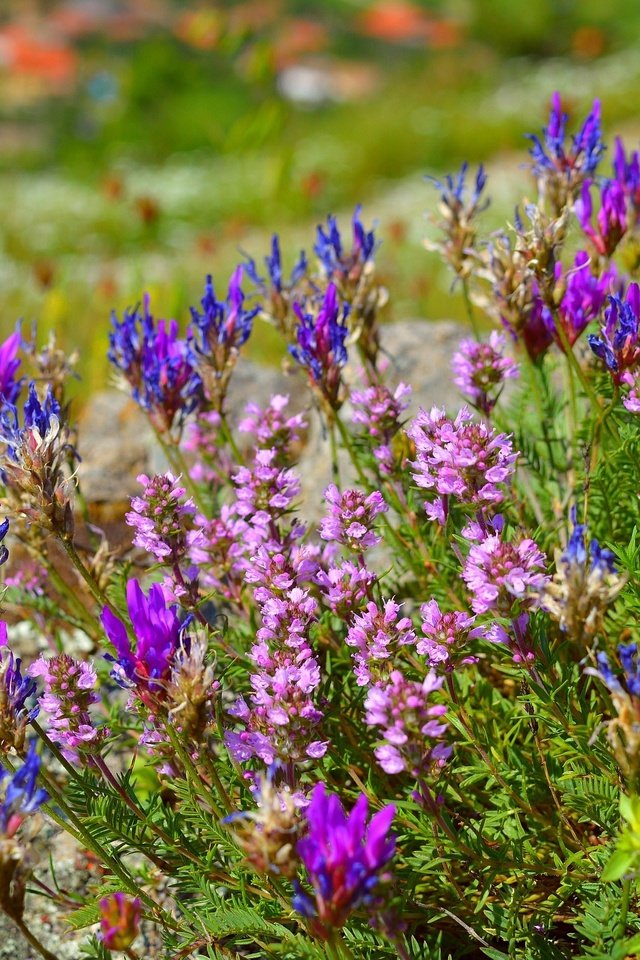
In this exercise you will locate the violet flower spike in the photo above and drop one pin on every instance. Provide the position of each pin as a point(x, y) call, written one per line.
point(351, 517)
point(480, 370)
point(320, 346)
point(344, 856)
point(617, 345)
point(9, 363)
point(15, 691)
point(611, 222)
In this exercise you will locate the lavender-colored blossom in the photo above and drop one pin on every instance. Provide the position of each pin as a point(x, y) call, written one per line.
point(499, 572)
point(265, 487)
point(15, 690)
point(69, 691)
point(344, 856)
point(584, 584)
point(220, 549)
point(351, 516)
point(320, 347)
point(411, 726)
point(617, 343)
point(159, 517)
point(446, 636)
point(345, 587)
point(611, 222)
point(562, 167)
point(379, 409)
point(377, 634)
point(156, 630)
point(461, 459)
point(9, 363)
point(480, 370)
point(22, 797)
point(271, 428)
point(158, 365)
point(515, 636)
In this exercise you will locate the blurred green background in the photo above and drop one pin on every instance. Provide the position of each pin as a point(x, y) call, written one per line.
point(143, 143)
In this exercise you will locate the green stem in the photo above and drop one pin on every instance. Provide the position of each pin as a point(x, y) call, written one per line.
point(471, 317)
point(178, 464)
point(192, 772)
point(96, 592)
point(229, 438)
point(571, 357)
point(621, 926)
point(335, 466)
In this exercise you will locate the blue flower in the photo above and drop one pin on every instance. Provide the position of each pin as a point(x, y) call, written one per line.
point(618, 344)
point(344, 856)
point(336, 261)
point(457, 196)
point(223, 322)
point(552, 152)
point(321, 343)
point(42, 418)
point(273, 263)
point(22, 796)
point(575, 554)
point(159, 366)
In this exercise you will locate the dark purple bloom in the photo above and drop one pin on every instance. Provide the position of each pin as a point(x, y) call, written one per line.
point(15, 690)
point(321, 347)
point(9, 363)
point(157, 630)
point(344, 857)
point(338, 264)
point(4, 553)
point(618, 344)
point(223, 322)
point(159, 366)
point(22, 797)
point(611, 221)
point(630, 662)
point(627, 173)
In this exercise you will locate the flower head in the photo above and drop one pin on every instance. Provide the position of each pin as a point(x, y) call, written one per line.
point(461, 459)
point(623, 730)
point(271, 428)
point(338, 264)
point(69, 691)
point(584, 584)
point(119, 920)
point(268, 834)
point(459, 206)
point(562, 167)
point(499, 572)
point(376, 634)
point(351, 516)
point(275, 289)
point(157, 631)
point(320, 346)
point(159, 517)
point(446, 636)
point(612, 221)
point(618, 343)
point(15, 691)
point(412, 727)
point(344, 856)
point(480, 370)
point(158, 365)
point(22, 797)
point(627, 174)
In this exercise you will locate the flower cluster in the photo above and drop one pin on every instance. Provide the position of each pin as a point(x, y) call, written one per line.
point(15, 691)
point(623, 730)
point(345, 587)
point(9, 363)
point(320, 347)
point(159, 366)
point(499, 571)
point(460, 459)
point(69, 691)
point(618, 343)
point(277, 292)
point(378, 409)
point(612, 220)
point(560, 167)
point(480, 370)
point(158, 517)
point(119, 920)
point(584, 584)
point(267, 835)
point(376, 635)
point(459, 208)
point(409, 724)
point(351, 516)
point(271, 428)
point(344, 857)
point(446, 637)
point(22, 796)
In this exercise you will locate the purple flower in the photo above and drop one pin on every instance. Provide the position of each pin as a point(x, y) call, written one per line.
point(627, 173)
point(459, 206)
point(337, 263)
point(21, 796)
point(158, 517)
point(351, 516)
point(499, 572)
point(223, 322)
point(461, 201)
point(275, 278)
point(220, 550)
point(345, 587)
point(69, 691)
point(119, 920)
point(408, 721)
point(320, 347)
point(9, 363)
point(15, 690)
point(461, 459)
point(157, 632)
point(271, 428)
point(623, 730)
point(41, 422)
point(4, 553)
point(611, 222)
point(266, 487)
point(376, 635)
point(618, 344)
point(561, 167)
point(446, 636)
point(480, 370)
point(344, 857)
point(159, 367)
point(379, 409)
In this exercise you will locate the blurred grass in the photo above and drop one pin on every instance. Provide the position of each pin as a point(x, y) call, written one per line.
point(75, 246)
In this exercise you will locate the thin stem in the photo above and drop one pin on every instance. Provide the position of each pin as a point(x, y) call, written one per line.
point(178, 464)
point(335, 466)
point(621, 926)
point(471, 317)
point(192, 771)
point(227, 433)
point(96, 592)
point(33, 940)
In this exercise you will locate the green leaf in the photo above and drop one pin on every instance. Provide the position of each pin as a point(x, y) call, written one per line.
point(619, 864)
